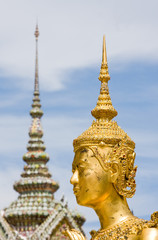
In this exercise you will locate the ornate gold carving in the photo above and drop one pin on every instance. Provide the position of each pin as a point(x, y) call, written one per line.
point(124, 156)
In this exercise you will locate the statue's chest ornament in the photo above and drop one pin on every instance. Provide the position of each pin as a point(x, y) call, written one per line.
point(131, 226)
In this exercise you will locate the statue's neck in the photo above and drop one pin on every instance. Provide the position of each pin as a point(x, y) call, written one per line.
point(112, 210)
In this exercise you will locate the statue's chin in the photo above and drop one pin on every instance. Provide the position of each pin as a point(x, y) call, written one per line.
point(78, 200)
point(82, 202)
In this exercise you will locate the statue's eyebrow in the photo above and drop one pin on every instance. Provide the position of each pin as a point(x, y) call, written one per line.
point(84, 150)
point(73, 166)
point(82, 162)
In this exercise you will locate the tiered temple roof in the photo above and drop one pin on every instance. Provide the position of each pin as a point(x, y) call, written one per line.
point(36, 214)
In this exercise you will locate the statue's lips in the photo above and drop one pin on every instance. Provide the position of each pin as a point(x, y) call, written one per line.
point(76, 190)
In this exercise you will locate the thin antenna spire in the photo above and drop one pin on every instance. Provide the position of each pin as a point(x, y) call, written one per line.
point(36, 89)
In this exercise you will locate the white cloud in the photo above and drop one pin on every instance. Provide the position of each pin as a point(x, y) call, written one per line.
point(71, 36)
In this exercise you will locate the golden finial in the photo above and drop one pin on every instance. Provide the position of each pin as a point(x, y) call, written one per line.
point(104, 73)
point(104, 57)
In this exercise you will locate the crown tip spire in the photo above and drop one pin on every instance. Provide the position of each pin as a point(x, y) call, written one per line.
point(104, 72)
point(104, 108)
point(104, 56)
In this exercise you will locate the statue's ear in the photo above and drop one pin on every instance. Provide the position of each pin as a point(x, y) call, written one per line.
point(114, 172)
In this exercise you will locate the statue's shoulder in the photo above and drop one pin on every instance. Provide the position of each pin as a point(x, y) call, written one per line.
point(149, 234)
point(151, 231)
point(132, 229)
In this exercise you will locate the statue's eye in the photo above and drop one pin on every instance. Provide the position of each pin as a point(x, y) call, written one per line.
point(81, 171)
point(78, 167)
point(81, 168)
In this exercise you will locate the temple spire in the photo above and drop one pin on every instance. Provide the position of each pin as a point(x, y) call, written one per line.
point(36, 88)
point(36, 188)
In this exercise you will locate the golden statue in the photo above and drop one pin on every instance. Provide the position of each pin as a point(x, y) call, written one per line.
point(104, 173)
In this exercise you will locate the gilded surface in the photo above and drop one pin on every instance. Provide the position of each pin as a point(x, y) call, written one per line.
point(104, 173)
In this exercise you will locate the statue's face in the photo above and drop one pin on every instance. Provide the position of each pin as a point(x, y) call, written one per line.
point(90, 181)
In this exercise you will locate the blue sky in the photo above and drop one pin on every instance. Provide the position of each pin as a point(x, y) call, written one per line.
point(70, 46)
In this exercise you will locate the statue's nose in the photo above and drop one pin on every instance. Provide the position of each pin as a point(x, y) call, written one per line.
point(74, 178)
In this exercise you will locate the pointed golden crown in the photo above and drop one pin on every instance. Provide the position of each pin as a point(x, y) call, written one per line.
point(103, 130)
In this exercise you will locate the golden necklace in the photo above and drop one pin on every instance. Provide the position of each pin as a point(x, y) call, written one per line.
point(122, 230)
